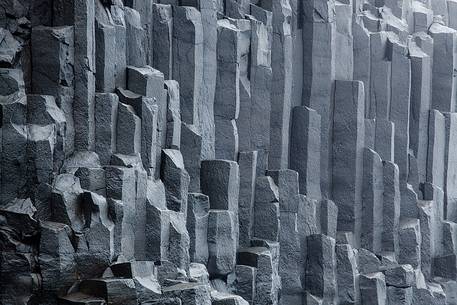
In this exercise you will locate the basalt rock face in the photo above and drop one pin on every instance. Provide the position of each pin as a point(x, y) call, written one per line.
point(198, 152)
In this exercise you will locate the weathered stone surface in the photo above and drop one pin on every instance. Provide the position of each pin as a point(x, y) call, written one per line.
point(220, 180)
point(221, 242)
point(348, 135)
point(188, 52)
point(320, 268)
point(176, 180)
point(409, 239)
point(372, 201)
point(305, 150)
point(347, 274)
point(263, 152)
point(373, 289)
point(443, 80)
point(319, 73)
point(191, 148)
point(391, 207)
point(197, 226)
point(106, 110)
point(247, 164)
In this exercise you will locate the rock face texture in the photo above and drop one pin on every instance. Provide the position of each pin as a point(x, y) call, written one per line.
point(228, 152)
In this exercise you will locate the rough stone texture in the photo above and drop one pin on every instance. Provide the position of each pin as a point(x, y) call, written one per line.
point(262, 152)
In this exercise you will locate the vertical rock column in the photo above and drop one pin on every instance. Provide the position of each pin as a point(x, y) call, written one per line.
point(450, 167)
point(379, 77)
point(400, 104)
point(444, 63)
point(227, 97)
point(261, 76)
point(372, 201)
point(391, 207)
point(220, 182)
point(162, 33)
point(52, 70)
point(281, 90)
point(348, 137)
point(305, 150)
point(319, 70)
point(420, 106)
point(188, 60)
point(84, 100)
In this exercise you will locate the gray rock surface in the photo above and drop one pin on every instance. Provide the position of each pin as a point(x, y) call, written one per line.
point(261, 152)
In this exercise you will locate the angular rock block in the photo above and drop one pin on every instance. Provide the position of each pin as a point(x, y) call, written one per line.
point(425, 209)
point(197, 226)
point(52, 69)
point(347, 274)
point(244, 283)
point(189, 293)
point(409, 239)
point(106, 107)
point(445, 266)
point(266, 210)
point(266, 283)
point(373, 289)
point(384, 139)
point(402, 276)
point(191, 148)
point(156, 232)
point(328, 212)
point(221, 242)
point(179, 242)
point(400, 296)
point(113, 290)
point(220, 181)
point(287, 182)
point(98, 235)
point(226, 138)
point(305, 149)
point(121, 194)
point(65, 201)
point(320, 270)
point(145, 81)
point(57, 258)
point(176, 180)
point(135, 38)
point(128, 131)
point(289, 256)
